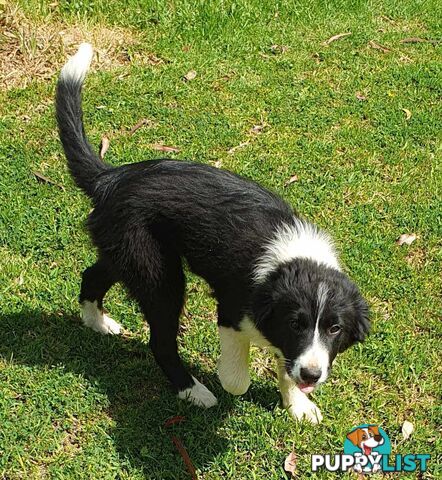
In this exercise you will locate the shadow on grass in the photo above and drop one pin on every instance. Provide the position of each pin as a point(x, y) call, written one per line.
point(124, 370)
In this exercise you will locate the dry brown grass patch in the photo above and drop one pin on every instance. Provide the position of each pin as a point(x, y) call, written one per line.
point(31, 50)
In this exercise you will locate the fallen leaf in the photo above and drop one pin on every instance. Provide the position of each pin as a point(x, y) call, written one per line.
point(186, 48)
point(164, 148)
point(419, 40)
point(174, 420)
point(241, 145)
point(218, 164)
point(336, 37)
point(378, 46)
point(406, 238)
point(185, 456)
point(360, 96)
point(42, 179)
point(290, 463)
point(407, 429)
point(407, 113)
point(292, 179)
point(104, 146)
point(144, 121)
point(190, 75)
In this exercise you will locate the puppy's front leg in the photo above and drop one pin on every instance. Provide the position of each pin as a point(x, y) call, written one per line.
point(233, 364)
point(295, 401)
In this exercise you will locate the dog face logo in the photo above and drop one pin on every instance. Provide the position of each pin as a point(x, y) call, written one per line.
point(366, 438)
point(367, 443)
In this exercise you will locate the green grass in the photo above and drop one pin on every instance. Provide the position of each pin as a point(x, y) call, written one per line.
point(74, 404)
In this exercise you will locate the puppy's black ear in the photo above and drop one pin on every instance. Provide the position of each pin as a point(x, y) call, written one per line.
point(262, 303)
point(357, 323)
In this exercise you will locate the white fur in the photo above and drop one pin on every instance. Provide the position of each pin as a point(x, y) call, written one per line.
point(78, 65)
point(321, 298)
point(295, 401)
point(233, 363)
point(199, 395)
point(303, 240)
point(94, 318)
point(316, 356)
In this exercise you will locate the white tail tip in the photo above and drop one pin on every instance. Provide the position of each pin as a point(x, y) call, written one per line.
point(78, 65)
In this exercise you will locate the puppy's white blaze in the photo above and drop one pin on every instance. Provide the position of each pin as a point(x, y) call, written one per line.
point(321, 300)
point(78, 65)
point(301, 240)
point(94, 318)
point(233, 364)
point(316, 355)
point(199, 395)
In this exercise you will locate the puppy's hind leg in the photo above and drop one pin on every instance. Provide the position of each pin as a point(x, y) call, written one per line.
point(97, 280)
point(161, 302)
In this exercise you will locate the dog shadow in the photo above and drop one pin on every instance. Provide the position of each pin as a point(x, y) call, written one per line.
point(123, 368)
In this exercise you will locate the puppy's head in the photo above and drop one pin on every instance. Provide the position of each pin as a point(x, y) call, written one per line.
point(366, 438)
point(309, 313)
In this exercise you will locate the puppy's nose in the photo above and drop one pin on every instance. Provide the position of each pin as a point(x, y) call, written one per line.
point(310, 375)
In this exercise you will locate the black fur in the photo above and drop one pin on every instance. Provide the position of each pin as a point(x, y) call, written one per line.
point(149, 216)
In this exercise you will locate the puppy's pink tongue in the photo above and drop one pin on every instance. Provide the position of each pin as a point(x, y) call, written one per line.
point(306, 387)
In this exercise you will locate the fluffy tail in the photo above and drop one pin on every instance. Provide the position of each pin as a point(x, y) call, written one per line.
point(84, 164)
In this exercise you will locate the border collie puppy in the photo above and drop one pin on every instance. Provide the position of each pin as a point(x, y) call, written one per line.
point(276, 277)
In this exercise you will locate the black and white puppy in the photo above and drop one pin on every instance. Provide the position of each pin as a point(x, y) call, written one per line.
point(276, 277)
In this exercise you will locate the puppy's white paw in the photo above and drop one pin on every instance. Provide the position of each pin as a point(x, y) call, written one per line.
point(305, 409)
point(110, 326)
point(199, 395)
point(234, 381)
point(94, 318)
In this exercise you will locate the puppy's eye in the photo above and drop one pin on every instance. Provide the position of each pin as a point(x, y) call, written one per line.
point(334, 330)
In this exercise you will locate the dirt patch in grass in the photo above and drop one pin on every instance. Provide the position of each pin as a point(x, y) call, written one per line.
point(31, 49)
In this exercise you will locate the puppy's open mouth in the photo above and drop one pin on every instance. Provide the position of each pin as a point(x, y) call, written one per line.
point(306, 387)
point(367, 450)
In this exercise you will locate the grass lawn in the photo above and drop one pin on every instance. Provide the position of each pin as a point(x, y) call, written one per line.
point(358, 121)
